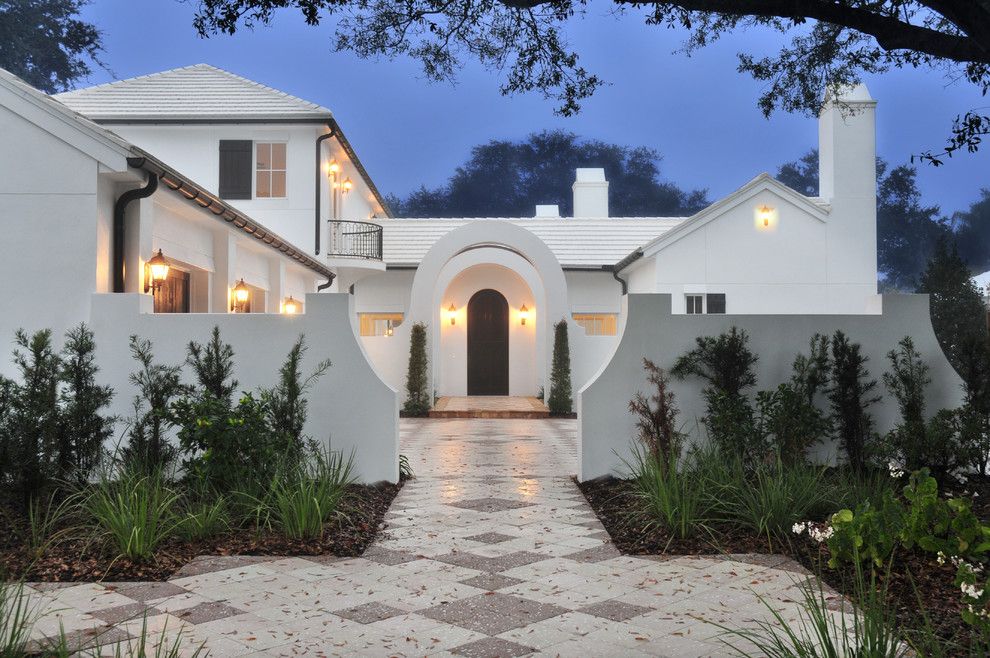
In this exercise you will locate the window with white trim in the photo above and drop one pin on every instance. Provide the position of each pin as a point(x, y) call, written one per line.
point(711, 303)
point(379, 324)
point(695, 304)
point(597, 324)
point(270, 170)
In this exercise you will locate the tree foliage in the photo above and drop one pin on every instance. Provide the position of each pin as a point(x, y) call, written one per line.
point(560, 401)
point(418, 399)
point(850, 395)
point(46, 44)
point(507, 179)
point(832, 42)
point(907, 229)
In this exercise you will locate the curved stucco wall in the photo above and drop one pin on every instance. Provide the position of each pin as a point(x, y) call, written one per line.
point(350, 406)
point(606, 428)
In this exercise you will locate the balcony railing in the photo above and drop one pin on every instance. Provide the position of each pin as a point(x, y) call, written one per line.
point(354, 240)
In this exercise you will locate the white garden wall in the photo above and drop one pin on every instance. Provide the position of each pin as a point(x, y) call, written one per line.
point(606, 428)
point(350, 407)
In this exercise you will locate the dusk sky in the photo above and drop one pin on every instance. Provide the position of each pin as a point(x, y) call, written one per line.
point(698, 112)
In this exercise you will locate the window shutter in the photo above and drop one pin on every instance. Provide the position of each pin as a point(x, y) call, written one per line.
point(716, 302)
point(235, 168)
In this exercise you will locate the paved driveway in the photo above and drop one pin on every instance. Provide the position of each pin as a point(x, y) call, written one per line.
point(490, 551)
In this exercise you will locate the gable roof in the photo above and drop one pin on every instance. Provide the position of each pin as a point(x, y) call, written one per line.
point(197, 92)
point(577, 243)
point(762, 183)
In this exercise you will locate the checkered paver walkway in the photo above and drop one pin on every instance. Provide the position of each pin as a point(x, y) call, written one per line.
point(490, 551)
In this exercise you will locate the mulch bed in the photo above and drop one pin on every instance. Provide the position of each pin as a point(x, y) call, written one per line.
point(363, 509)
point(913, 574)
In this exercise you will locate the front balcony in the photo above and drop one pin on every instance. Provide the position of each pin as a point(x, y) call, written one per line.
point(354, 247)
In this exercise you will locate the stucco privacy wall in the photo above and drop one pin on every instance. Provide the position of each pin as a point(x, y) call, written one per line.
point(606, 428)
point(349, 406)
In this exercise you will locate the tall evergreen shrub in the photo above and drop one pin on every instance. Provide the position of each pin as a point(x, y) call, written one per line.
point(850, 395)
point(158, 386)
point(418, 400)
point(560, 374)
point(213, 365)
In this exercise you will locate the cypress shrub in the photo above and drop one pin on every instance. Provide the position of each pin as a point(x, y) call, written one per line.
point(560, 375)
point(417, 397)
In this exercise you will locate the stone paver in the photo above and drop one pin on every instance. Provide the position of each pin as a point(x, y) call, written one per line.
point(490, 551)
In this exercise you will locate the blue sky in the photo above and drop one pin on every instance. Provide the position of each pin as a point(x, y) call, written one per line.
point(697, 111)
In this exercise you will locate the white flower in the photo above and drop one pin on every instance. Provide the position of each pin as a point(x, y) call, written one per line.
point(798, 528)
point(941, 558)
point(896, 471)
point(971, 591)
point(820, 534)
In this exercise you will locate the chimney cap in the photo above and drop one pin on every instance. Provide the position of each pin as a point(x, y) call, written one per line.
point(548, 211)
point(590, 175)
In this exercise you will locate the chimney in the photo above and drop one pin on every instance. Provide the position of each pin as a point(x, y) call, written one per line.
point(547, 212)
point(590, 193)
point(847, 144)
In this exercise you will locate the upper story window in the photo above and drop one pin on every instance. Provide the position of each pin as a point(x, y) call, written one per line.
point(712, 303)
point(379, 324)
point(596, 324)
point(269, 170)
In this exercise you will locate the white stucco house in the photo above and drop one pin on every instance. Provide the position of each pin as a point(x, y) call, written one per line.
point(257, 201)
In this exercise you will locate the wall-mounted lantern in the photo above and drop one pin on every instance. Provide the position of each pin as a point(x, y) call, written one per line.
point(290, 306)
point(240, 298)
point(347, 185)
point(452, 314)
point(523, 315)
point(155, 273)
point(389, 328)
point(333, 168)
point(764, 214)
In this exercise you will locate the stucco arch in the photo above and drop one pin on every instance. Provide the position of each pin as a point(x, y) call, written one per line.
point(424, 304)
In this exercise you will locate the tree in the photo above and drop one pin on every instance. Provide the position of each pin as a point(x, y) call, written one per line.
point(907, 230)
point(830, 40)
point(507, 179)
point(158, 385)
point(418, 400)
point(560, 401)
point(213, 365)
point(973, 233)
point(850, 394)
point(44, 42)
point(959, 316)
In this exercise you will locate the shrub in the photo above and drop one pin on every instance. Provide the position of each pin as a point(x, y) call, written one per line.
point(673, 495)
point(418, 401)
point(304, 498)
point(133, 510)
point(286, 402)
point(213, 365)
point(560, 373)
point(82, 430)
point(158, 385)
point(850, 394)
point(204, 519)
point(657, 424)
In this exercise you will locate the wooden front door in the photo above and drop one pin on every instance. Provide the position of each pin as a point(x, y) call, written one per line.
point(488, 344)
point(173, 296)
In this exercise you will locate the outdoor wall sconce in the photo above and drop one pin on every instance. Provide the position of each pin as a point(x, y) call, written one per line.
point(240, 298)
point(155, 273)
point(333, 168)
point(389, 328)
point(290, 306)
point(764, 214)
point(347, 185)
point(452, 314)
point(523, 315)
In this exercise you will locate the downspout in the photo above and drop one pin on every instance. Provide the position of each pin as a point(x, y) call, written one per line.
point(621, 265)
point(319, 179)
point(119, 210)
point(324, 286)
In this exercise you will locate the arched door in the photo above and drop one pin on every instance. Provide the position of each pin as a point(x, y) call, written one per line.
point(488, 344)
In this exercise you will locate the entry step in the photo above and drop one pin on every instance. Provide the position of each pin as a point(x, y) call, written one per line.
point(489, 406)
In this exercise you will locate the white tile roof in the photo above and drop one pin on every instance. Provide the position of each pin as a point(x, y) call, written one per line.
point(576, 242)
point(200, 92)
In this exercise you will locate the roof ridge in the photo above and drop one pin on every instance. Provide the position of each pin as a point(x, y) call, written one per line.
point(265, 87)
point(144, 76)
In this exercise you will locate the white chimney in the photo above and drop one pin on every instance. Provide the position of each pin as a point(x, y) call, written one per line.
point(847, 169)
point(545, 212)
point(590, 193)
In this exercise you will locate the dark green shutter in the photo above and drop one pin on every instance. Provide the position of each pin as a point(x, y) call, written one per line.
point(716, 302)
point(235, 168)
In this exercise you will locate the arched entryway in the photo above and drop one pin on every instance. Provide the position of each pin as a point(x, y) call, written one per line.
point(488, 344)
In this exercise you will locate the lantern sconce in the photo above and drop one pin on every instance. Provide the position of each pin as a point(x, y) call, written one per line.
point(389, 328)
point(523, 315)
point(764, 214)
point(347, 185)
point(155, 273)
point(290, 306)
point(240, 298)
point(452, 314)
point(333, 168)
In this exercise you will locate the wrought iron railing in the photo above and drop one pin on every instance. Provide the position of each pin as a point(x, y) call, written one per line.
point(354, 240)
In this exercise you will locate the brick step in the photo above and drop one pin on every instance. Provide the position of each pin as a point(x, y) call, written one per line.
point(488, 413)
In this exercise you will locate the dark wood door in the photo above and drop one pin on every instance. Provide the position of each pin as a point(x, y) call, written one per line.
point(488, 344)
point(173, 296)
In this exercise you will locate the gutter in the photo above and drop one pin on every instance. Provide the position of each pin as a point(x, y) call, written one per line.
point(621, 265)
point(119, 229)
point(193, 192)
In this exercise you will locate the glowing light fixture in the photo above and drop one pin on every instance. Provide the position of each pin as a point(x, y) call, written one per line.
point(347, 185)
point(333, 167)
point(523, 315)
point(389, 328)
point(765, 213)
point(242, 294)
point(155, 272)
point(452, 314)
point(290, 306)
